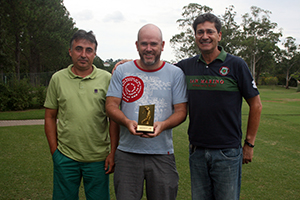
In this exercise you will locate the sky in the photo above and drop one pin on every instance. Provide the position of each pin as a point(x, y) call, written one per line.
point(116, 22)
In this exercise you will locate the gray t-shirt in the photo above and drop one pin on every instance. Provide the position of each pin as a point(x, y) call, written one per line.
point(163, 87)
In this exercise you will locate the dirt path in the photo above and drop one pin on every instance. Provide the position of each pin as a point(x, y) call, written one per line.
point(21, 122)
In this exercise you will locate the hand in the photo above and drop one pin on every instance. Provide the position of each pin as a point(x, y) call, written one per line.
point(53, 149)
point(132, 127)
point(247, 154)
point(158, 128)
point(119, 63)
point(110, 163)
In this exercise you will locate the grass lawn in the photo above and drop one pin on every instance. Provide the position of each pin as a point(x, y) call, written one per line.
point(22, 115)
point(275, 170)
point(26, 164)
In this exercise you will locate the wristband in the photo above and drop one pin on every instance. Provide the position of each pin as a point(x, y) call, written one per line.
point(249, 144)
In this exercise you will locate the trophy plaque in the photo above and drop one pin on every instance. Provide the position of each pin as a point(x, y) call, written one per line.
point(146, 119)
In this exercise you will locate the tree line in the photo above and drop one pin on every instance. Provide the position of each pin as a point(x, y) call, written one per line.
point(255, 39)
point(35, 34)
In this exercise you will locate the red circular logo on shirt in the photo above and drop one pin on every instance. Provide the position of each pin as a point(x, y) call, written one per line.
point(224, 71)
point(133, 88)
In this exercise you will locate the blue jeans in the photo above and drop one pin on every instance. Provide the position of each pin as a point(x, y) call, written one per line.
point(215, 173)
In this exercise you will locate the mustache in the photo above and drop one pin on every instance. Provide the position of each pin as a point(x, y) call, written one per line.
point(82, 59)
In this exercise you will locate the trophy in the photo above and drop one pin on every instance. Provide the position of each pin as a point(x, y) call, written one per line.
point(146, 119)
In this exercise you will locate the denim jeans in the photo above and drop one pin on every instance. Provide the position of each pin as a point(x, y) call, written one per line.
point(215, 173)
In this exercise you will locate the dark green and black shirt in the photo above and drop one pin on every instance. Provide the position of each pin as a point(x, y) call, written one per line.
point(215, 93)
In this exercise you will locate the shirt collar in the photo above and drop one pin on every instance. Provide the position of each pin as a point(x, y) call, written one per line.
point(73, 76)
point(221, 56)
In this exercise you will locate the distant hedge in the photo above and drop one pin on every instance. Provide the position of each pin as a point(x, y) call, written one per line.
point(20, 95)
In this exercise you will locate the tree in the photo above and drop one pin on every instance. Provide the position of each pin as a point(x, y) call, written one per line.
point(39, 31)
point(258, 42)
point(12, 29)
point(49, 29)
point(290, 58)
point(98, 62)
point(230, 31)
point(184, 42)
point(6, 45)
point(296, 76)
point(255, 39)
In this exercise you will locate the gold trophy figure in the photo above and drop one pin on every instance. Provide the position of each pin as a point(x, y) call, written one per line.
point(148, 116)
point(146, 119)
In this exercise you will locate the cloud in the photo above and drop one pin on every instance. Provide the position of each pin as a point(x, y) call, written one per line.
point(130, 15)
point(84, 15)
point(115, 17)
point(143, 21)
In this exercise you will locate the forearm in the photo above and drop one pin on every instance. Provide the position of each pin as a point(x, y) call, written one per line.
point(179, 116)
point(253, 120)
point(113, 111)
point(114, 132)
point(252, 127)
point(117, 115)
point(176, 118)
point(51, 131)
point(51, 135)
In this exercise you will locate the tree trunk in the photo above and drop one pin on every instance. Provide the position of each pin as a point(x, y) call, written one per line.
point(257, 74)
point(17, 56)
point(253, 67)
point(254, 59)
point(34, 63)
point(287, 79)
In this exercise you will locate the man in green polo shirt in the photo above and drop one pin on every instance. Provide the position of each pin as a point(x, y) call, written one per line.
point(80, 141)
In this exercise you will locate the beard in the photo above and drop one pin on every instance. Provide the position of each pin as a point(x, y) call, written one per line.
point(149, 63)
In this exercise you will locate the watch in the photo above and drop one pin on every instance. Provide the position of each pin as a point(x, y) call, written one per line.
point(249, 144)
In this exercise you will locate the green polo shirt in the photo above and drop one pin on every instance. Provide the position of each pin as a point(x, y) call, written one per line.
point(221, 56)
point(82, 128)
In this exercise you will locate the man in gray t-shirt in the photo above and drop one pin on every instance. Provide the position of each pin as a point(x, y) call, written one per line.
point(147, 156)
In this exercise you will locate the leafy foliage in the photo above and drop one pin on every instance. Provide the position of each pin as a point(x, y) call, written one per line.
point(271, 80)
point(35, 36)
point(98, 62)
point(4, 97)
point(230, 31)
point(184, 42)
point(255, 40)
point(20, 96)
point(40, 95)
point(258, 41)
point(290, 58)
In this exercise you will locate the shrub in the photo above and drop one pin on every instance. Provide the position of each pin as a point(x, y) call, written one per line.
point(21, 95)
point(17, 96)
point(271, 80)
point(40, 95)
point(281, 79)
point(4, 97)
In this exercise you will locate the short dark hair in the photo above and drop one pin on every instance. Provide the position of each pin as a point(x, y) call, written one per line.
point(82, 34)
point(207, 17)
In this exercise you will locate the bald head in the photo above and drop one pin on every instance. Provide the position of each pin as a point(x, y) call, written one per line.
point(150, 45)
point(150, 29)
